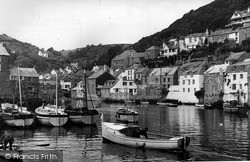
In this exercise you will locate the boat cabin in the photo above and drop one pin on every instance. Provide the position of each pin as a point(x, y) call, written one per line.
point(131, 131)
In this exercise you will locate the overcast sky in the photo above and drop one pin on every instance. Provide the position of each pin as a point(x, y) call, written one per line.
point(70, 24)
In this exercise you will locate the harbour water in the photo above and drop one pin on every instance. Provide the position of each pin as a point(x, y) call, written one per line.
point(215, 135)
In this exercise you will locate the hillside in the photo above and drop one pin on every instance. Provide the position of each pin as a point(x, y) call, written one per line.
point(211, 16)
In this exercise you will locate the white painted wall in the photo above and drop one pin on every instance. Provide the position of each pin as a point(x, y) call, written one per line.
point(228, 87)
point(184, 92)
point(124, 88)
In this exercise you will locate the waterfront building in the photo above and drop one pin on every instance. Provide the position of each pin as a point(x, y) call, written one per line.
point(124, 87)
point(214, 83)
point(78, 95)
point(191, 79)
point(138, 75)
point(105, 89)
point(97, 80)
point(4, 72)
point(236, 83)
point(122, 61)
point(152, 52)
point(163, 77)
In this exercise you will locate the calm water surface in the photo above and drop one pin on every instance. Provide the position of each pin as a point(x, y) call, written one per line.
point(214, 136)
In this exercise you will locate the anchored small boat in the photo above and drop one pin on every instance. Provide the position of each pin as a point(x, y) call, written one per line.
point(124, 135)
point(127, 115)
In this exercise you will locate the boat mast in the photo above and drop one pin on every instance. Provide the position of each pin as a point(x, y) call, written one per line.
point(20, 91)
point(56, 96)
point(85, 85)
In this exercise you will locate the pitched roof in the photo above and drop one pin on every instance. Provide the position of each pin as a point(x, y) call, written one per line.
point(196, 35)
point(140, 54)
point(234, 56)
point(27, 72)
point(192, 68)
point(216, 69)
point(3, 51)
point(97, 74)
point(153, 48)
point(125, 54)
point(163, 71)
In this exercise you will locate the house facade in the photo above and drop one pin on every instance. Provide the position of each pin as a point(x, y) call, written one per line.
point(171, 49)
point(236, 82)
point(191, 79)
point(122, 61)
point(214, 83)
point(236, 57)
point(29, 78)
point(97, 80)
point(240, 17)
point(194, 40)
point(152, 52)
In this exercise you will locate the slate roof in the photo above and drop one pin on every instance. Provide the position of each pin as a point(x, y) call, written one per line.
point(234, 56)
point(196, 35)
point(3, 51)
point(140, 54)
point(26, 72)
point(216, 69)
point(125, 54)
point(96, 74)
point(153, 48)
point(192, 68)
point(238, 67)
point(109, 84)
point(163, 71)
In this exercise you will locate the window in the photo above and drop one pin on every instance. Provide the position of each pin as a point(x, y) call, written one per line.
point(156, 80)
point(188, 89)
point(168, 79)
point(241, 76)
point(242, 67)
point(124, 83)
point(188, 82)
point(168, 85)
point(164, 80)
point(193, 81)
point(240, 86)
point(183, 89)
point(194, 89)
point(234, 68)
point(234, 77)
point(131, 83)
point(30, 88)
point(234, 86)
point(116, 90)
point(183, 82)
point(135, 90)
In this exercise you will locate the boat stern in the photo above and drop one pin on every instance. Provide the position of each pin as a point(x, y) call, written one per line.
point(183, 143)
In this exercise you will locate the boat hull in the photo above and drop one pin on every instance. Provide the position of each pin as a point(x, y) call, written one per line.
point(52, 120)
point(177, 143)
point(83, 119)
point(235, 109)
point(23, 120)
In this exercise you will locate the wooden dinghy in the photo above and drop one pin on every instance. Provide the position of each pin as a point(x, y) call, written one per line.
point(124, 135)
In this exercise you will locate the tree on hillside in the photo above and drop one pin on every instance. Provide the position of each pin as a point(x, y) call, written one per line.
point(22, 61)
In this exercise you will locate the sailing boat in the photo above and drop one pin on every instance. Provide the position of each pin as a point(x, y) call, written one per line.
point(51, 115)
point(15, 116)
point(83, 115)
point(126, 115)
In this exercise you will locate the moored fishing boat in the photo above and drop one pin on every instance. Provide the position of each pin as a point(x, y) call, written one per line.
point(82, 115)
point(17, 116)
point(50, 115)
point(124, 134)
